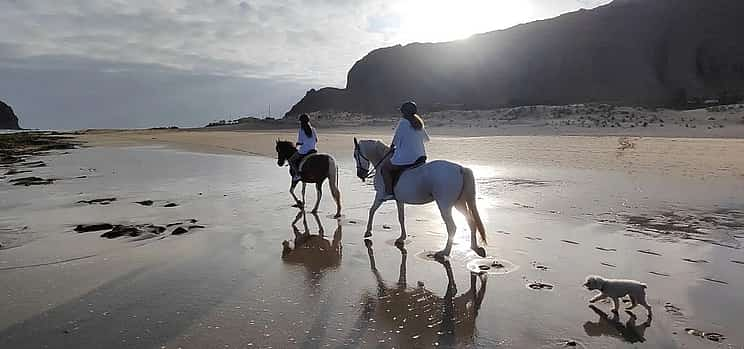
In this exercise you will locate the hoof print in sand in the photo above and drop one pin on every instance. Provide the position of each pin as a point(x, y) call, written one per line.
point(171, 204)
point(659, 274)
point(132, 231)
point(540, 267)
point(531, 238)
point(570, 242)
point(606, 249)
point(711, 336)
point(608, 265)
point(29, 181)
point(721, 282)
point(540, 286)
point(649, 252)
point(491, 266)
point(737, 262)
point(697, 261)
point(104, 201)
point(85, 228)
point(145, 202)
point(179, 231)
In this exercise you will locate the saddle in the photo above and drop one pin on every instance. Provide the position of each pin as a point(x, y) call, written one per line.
point(401, 169)
point(301, 160)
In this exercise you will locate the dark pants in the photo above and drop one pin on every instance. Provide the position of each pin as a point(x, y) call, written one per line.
point(390, 172)
point(296, 159)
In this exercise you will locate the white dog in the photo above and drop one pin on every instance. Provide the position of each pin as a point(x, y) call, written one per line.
point(617, 289)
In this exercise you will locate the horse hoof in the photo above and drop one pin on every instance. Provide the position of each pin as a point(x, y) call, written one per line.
point(368, 243)
point(337, 216)
point(480, 251)
point(368, 234)
point(441, 256)
point(315, 211)
point(400, 242)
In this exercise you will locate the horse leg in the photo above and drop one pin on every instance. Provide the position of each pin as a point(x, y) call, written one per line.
point(446, 212)
point(462, 206)
point(402, 220)
point(303, 193)
point(298, 203)
point(375, 205)
point(319, 191)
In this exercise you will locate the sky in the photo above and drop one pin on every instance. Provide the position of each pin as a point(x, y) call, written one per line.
point(75, 64)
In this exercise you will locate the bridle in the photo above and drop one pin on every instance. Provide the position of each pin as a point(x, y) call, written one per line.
point(371, 173)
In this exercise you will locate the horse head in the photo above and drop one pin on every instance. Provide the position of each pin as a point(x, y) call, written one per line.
point(362, 164)
point(284, 150)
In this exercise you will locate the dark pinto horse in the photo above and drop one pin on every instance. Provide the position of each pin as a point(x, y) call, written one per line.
point(314, 168)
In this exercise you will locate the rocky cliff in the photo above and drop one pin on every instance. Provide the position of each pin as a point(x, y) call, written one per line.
point(8, 120)
point(632, 52)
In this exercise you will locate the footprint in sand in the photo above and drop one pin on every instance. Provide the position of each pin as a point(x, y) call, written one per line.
point(673, 309)
point(650, 252)
point(608, 265)
point(694, 260)
point(711, 336)
point(570, 242)
point(606, 249)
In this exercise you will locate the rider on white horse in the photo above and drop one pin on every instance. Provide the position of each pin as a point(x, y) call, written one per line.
point(408, 146)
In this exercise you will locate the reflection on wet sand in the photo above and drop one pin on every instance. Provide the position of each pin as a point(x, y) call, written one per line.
point(313, 251)
point(415, 316)
point(612, 327)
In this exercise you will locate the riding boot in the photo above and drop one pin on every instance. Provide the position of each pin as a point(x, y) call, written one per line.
point(387, 178)
point(293, 165)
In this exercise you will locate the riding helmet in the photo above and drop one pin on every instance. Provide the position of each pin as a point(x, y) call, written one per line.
point(408, 108)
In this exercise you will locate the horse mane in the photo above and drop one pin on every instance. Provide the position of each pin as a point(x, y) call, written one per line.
point(285, 144)
point(376, 145)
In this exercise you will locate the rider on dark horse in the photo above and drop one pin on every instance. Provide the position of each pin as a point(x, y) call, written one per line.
point(307, 139)
point(408, 147)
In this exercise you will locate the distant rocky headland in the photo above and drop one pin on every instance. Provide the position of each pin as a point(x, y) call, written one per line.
point(661, 53)
point(8, 119)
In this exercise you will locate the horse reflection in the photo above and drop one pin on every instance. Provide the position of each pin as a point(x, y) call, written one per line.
point(611, 326)
point(313, 251)
point(417, 317)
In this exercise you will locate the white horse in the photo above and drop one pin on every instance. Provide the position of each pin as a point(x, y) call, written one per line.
point(447, 183)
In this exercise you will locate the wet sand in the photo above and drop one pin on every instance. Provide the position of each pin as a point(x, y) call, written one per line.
point(666, 212)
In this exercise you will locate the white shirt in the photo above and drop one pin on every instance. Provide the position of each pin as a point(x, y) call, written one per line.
point(409, 143)
point(306, 143)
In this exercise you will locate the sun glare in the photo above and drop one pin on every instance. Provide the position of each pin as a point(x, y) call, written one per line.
point(444, 20)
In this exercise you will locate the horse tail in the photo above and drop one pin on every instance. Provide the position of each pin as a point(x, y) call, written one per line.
point(469, 194)
point(333, 183)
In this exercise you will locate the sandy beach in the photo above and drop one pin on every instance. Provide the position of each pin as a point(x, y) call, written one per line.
point(665, 211)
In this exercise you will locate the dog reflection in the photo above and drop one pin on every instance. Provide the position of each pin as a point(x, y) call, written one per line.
point(313, 251)
point(611, 326)
point(417, 316)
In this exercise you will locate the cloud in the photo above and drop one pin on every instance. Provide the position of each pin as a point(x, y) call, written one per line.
point(50, 49)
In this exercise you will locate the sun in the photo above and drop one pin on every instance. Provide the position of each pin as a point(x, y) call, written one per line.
point(445, 20)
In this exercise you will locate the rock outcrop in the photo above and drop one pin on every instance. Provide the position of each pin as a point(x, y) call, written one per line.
point(8, 119)
point(632, 52)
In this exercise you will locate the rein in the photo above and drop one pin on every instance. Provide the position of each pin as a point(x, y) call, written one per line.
point(374, 168)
